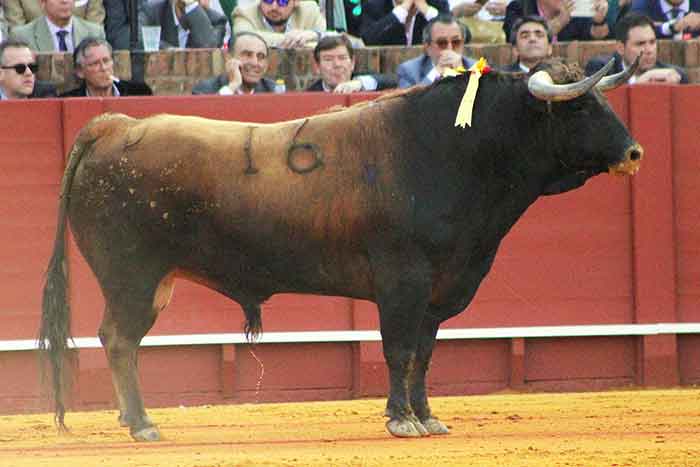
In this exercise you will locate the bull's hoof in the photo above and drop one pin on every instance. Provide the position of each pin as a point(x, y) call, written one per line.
point(122, 421)
point(406, 428)
point(150, 433)
point(435, 426)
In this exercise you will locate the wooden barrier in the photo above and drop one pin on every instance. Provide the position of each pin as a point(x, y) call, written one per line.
point(618, 251)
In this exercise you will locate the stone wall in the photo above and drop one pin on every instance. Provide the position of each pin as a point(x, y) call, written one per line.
point(174, 72)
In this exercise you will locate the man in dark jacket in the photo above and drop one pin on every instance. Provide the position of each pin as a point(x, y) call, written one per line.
point(531, 42)
point(673, 19)
point(95, 68)
point(334, 61)
point(636, 37)
point(400, 22)
point(186, 23)
point(558, 14)
point(245, 68)
point(18, 70)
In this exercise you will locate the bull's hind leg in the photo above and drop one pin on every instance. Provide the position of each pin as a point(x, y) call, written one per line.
point(129, 315)
point(419, 394)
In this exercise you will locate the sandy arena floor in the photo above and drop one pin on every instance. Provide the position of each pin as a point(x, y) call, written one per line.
point(629, 428)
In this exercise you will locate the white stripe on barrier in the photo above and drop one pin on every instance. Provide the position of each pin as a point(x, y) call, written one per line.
point(374, 336)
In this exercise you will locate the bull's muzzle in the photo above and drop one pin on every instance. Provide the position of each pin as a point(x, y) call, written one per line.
point(630, 164)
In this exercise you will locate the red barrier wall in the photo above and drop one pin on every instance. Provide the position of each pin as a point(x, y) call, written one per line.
point(617, 251)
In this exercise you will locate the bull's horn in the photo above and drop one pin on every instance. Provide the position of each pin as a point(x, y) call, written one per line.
point(613, 81)
point(542, 87)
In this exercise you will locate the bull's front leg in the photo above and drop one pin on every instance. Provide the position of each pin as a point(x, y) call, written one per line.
point(402, 277)
point(419, 394)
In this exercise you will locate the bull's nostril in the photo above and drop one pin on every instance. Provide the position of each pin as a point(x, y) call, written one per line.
point(635, 155)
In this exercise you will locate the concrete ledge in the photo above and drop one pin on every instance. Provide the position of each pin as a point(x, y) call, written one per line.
point(374, 336)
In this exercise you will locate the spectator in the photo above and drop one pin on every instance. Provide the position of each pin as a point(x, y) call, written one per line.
point(58, 30)
point(334, 61)
point(94, 67)
point(20, 12)
point(635, 35)
point(18, 73)
point(399, 22)
point(443, 46)
point(117, 22)
point(3, 24)
point(186, 23)
point(561, 24)
point(484, 18)
point(531, 42)
point(245, 68)
point(673, 19)
point(285, 24)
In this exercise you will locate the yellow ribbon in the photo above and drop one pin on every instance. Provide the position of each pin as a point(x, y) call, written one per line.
point(466, 107)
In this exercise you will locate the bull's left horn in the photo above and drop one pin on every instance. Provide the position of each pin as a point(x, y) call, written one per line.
point(542, 87)
point(613, 81)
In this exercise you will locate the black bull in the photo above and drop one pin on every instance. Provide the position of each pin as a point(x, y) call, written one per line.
point(386, 201)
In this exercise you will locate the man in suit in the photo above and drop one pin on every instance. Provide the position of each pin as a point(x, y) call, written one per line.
point(18, 73)
point(673, 19)
point(443, 46)
point(95, 68)
point(334, 61)
point(400, 22)
point(245, 68)
point(58, 30)
point(531, 42)
point(285, 24)
point(636, 37)
point(186, 23)
point(117, 19)
point(562, 25)
point(19, 12)
point(3, 24)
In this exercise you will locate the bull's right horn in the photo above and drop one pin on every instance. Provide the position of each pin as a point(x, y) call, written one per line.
point(613, 81)
point(542, 87)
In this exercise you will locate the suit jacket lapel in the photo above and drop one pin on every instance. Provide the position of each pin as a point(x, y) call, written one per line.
point(43, 37)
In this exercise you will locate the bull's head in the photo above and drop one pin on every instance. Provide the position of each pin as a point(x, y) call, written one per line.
point(594, 140)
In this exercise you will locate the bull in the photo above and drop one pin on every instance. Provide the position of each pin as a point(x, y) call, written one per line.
point(385, 201)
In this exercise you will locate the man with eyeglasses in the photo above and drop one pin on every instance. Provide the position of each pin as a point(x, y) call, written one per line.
point(58, 30)
point(531, 42)
point(334, 61)
point(284, 24)
point(443, 46)
point(95, 68)
point(18, 70)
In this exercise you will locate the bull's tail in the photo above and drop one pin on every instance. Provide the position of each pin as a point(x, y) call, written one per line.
point(253, 318)
point(55, 319)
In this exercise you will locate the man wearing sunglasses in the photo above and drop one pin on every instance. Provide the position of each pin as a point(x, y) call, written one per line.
point(284, 24)
point(443, 46)
point(18, 73)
